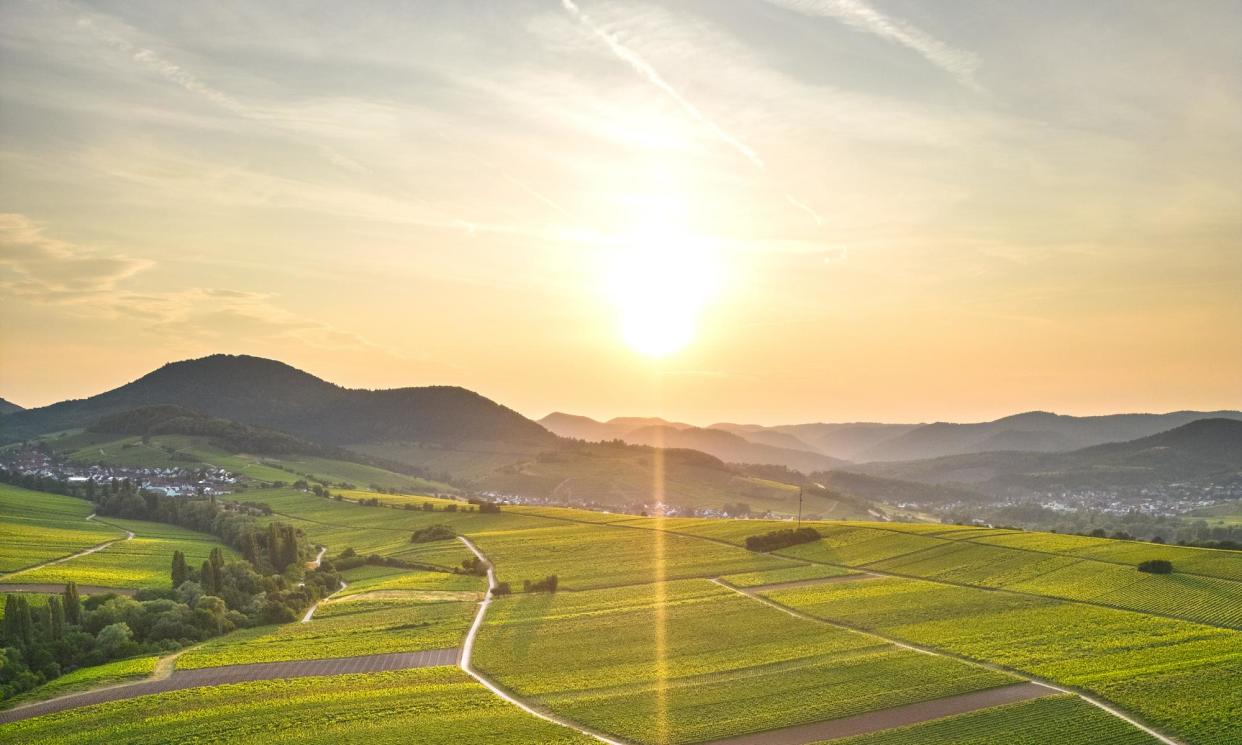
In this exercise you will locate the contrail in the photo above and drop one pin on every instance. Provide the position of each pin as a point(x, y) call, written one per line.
point(644, 68)
point(859, 15)
point(804, 207)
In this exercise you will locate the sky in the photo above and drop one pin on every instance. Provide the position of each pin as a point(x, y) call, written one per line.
point(759, 211)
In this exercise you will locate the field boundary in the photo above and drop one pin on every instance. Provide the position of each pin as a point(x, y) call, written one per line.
point(177, 680)
point(1166, 739)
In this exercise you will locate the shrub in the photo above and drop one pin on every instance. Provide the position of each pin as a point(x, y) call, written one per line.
point(1156, 566)
point(433, 533)
point(783, 538)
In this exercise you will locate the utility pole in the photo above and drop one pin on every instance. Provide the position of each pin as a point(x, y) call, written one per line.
point(799, 507)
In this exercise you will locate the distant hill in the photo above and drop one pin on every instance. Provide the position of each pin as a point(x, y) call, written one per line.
point(847, 440)
point(271, 394)
point(591, 430)
point(8, 407)
point(1205, 449)
point(731, 447)
point(1036, 431)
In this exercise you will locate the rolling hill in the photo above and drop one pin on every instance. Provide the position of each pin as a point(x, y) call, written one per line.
point(8, 407)
point(743, 446)
point(1035, 431)
point(1205, 449)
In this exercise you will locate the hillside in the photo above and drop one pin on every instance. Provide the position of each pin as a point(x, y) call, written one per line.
point(848, 440)
point(175, 420)
point(1036, 431)
point(1206, 449)
point(8, 407)
point(271, 394)
point(621, 476)
point(585, 428)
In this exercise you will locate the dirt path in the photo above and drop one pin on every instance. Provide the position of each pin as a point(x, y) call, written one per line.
point(750, 593)
point(211, 676)
point(311, 610)
point(129, 536)
point(898, 716)
point(467, 651)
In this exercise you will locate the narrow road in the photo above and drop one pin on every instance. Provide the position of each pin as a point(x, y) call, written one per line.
point(212, 676)
point(467, 651)
point(750, 593)
point(898, 716)
point(129, 535)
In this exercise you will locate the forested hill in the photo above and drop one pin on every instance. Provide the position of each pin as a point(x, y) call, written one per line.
point(271, 394)
point(8, 407)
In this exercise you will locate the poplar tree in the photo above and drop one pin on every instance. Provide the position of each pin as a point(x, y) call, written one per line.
point(73, 604)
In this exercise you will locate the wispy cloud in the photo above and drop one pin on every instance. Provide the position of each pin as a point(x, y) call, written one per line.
point(653, 76)
point(45, 269)
point(860, 15)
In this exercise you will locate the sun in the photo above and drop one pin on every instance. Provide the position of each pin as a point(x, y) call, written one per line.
point(660, 280)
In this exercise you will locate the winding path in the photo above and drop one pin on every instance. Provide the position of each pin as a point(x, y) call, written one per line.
point(129, 536)
point(467, 650)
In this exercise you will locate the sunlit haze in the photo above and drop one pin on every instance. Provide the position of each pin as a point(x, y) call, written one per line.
point(761, 211)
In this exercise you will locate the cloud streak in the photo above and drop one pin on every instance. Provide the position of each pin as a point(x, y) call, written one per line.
point(861, 16)
point(53, 271)
point(653, 76)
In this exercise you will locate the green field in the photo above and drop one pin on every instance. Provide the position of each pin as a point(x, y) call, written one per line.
point(639, 643)
point(690, 661)
point(342, 629)
point(144, 561)
point(36, 527)
point(89, 677)
point(433, 706)
point(1064, 720)
point(1171, 672)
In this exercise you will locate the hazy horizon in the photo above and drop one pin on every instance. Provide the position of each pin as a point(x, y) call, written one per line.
point(768, 211)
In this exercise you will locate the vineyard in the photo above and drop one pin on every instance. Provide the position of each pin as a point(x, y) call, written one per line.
point(1064, 720)
point(36, 527)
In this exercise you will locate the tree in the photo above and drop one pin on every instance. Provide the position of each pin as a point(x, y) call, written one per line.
point(207, 578)
point(113, 636)
point(180, 571)
point(73, 604)
point(56, 617)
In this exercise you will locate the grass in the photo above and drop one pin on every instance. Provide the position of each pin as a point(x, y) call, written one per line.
point(433, 706)
point(89, 677)
point(36, 527)
point(1174, 673)
point(1065, 720)
point(733, 665)
point(342, 629)
point(367, 579)
point(144, 561)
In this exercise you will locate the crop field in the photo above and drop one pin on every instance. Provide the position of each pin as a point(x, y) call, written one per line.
point(790, 574)
point(342, 629)
point(433, 706)
point(732, 665)
point(586, 556)
point(1171, 672)
point(144, 561)
point(1061, 569)
point(389, 579)
point(36, 527)
point(1064, 720)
